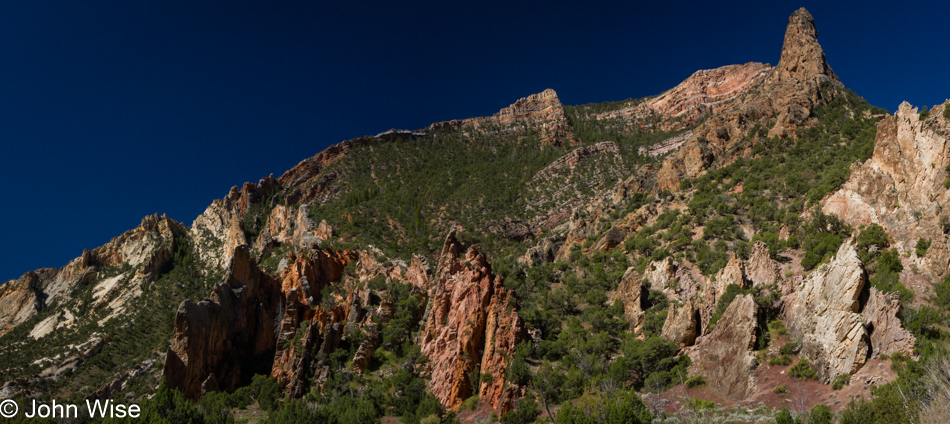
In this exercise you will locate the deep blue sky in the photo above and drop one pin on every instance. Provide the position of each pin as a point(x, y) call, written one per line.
point(113, 110)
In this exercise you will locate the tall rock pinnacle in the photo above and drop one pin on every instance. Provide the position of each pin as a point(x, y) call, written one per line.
point(802, 56)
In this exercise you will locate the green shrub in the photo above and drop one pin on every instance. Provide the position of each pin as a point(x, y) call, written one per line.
point(840, 381)
point(780, 389)
point(525, 413)
point(785, 417)
point(946, 111)
point(802, 371)
point(820, 414)
point(871, 237)
point(471, 403)
point(623, 407)
point(778, 326)
point(922, 246)
point(695, 381)
point(780, 360)
point(942, 292)
point(889, 260)
point(789, 348)
point(704, 404)
point(518, 372)
point(889, 281)
point(792, 242)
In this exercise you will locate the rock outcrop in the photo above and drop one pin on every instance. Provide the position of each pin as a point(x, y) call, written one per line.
point(469, 326)
point(882, 317)
point(633, 294)
point(802, 57)
point(824, 316)
point(901, 186)
point(682, 324)
point(145, 250)
point(786, 96)
point(704, 93)
point(724, 356)
point(665, 146)
point(761, 270)
point(542, 111)
point(216, 340)
point(840, 322)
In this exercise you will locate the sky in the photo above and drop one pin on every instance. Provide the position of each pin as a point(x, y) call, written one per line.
point(114, 110)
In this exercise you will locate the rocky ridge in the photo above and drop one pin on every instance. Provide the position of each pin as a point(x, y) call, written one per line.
point(144, 251)
point(704, 93)
point(543, 111)
point(901, 186)
point(801, 81)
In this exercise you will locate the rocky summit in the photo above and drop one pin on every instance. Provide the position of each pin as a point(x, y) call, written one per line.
point(756, 242)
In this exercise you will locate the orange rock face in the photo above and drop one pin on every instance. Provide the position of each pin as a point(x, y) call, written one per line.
point(215, 340)
point(703, 93)
point(469, 328)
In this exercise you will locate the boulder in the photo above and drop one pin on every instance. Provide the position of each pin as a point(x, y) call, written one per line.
point(724, 356)
point(882, 317)
point(682, 324)
point(823, 316)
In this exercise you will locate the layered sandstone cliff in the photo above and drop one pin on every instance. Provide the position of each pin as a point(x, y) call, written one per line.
point(704, 93)
point(542, 111)
point(801, 81)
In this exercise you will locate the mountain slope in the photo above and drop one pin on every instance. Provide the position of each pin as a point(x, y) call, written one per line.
point(548, 256)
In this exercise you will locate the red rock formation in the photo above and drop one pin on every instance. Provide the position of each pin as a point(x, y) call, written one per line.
point(503, 331)
point(216, 339)
point(705, 92)
point(469, 326)
point(301, 286)
point(786, 97)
